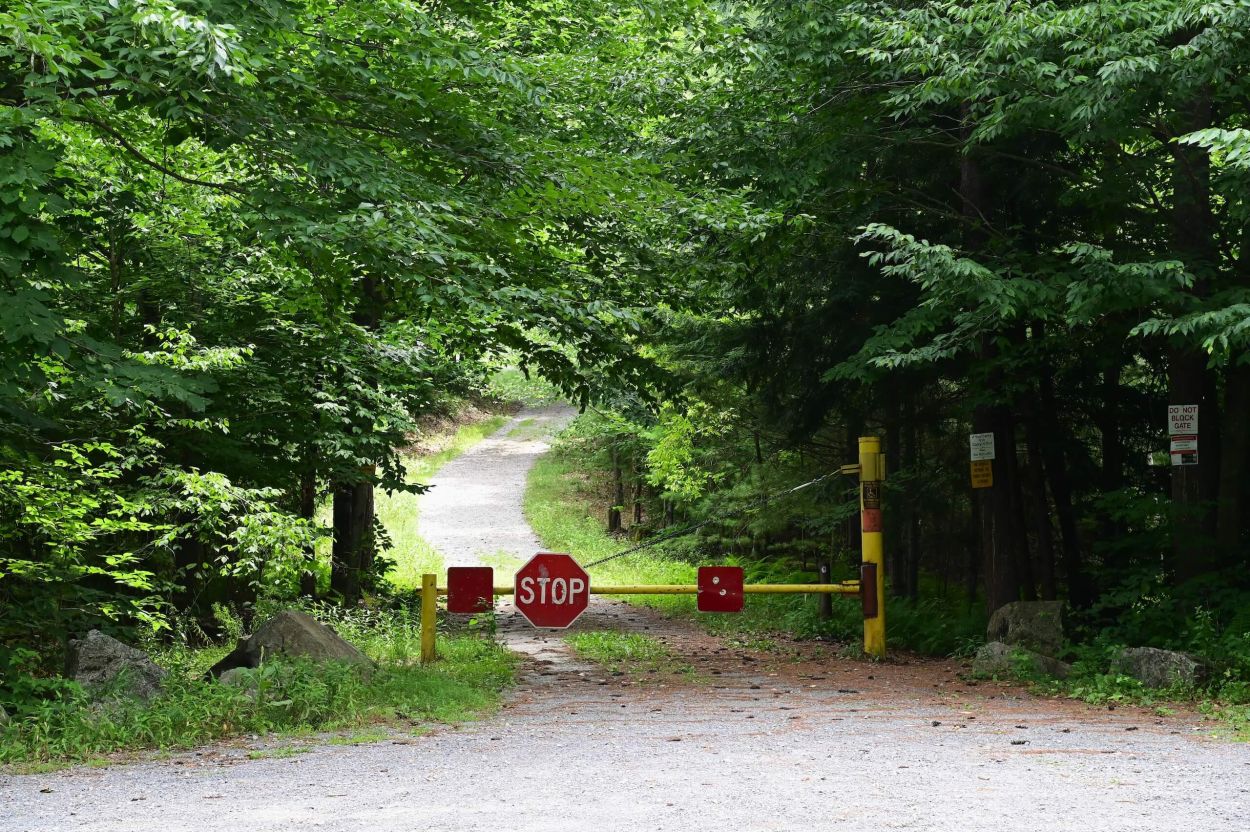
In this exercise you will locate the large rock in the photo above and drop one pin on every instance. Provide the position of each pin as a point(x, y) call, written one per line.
point(1008, 660)
point(243, 678)
point(4, 717)
point(1037, 625)
point(295, 635)
point(103, 664)
point(1157, 668)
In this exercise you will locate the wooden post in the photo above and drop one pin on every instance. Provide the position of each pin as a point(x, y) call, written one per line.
point(429, 617)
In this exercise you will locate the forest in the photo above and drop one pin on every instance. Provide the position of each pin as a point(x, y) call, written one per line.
point(247, 246)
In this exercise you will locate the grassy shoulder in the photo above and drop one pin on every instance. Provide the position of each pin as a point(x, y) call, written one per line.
point(1094, 679)
point(64, 725)
point(289, 697)
point(560, 506)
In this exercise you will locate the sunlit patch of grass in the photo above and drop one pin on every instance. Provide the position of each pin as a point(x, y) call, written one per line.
point(504, 563)
point(511, 385)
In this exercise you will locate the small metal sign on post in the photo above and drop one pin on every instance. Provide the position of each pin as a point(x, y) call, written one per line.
point(981, 446)
point(1183, 433)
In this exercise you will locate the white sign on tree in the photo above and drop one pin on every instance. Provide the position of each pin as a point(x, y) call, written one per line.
point(982, 446)
point(1183, 433)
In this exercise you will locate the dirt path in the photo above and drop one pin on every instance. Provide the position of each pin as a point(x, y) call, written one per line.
point(792, 739)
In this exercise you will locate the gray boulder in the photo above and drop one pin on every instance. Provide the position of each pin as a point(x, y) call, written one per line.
point(1007, 660)
point(292, 634)
point(4, 717)
point(1037, 625)
point(1157, 668)
point(243, 678)
point(103, 664)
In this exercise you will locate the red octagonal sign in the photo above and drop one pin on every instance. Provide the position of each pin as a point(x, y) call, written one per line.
point(551, 590)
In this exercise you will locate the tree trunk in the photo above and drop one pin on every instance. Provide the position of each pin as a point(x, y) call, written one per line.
point(911, 512)
point(1040, 512)
point(638, 483)
point(1235, 458)
point(1235, 446)
point(618, 495)
point(353, 550)
point(1054, 463)
point(894, 519)
point(308, 510)
point(1189, 380)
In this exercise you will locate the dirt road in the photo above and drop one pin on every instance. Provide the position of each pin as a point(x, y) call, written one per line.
point(789, 739)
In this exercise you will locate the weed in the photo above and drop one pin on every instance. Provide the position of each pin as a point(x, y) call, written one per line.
point(358, 738)
point(279, 753)
point(631, 652)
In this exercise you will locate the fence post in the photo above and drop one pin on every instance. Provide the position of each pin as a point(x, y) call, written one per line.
point(429, 616)
point(826, 600)
point(871, 472)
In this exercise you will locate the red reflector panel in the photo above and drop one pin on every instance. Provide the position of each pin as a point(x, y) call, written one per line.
point(720, 589)
point(470, 588)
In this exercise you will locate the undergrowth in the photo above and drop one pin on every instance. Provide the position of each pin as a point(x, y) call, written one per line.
point(287, 697)
point(560, 509)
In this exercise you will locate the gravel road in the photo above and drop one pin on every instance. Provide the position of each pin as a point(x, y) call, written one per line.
point(792, 738)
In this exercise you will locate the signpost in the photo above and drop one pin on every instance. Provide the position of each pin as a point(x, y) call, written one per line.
point(1183, 433)
point(982, 454)
point(551, 590)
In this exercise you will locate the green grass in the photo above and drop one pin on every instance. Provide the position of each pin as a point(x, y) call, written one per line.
point(279, 753)
point(290, 698)
point(511, 385)
point(398, 512)
point(566, 518)
point(627, 652)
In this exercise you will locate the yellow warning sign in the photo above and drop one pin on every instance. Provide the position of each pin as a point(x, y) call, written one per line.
point(982, 473)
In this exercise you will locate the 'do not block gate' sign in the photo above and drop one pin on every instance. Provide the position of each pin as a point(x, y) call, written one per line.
point(551, 590)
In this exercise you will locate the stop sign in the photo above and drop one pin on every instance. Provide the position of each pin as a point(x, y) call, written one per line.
point(551, 590)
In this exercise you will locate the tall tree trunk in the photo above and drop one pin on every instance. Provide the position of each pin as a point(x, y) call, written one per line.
point(308, 510)
point(354, 544)
point(997, 510)
point(911, 512)
point(1054, 462)
point(1235, 445)
point(618, 494)
point(1189, 380)
point(1040, 512)
point(638, 485)
point(353, 550)
point(1234, 458)
point(894, 519)
point(1001, 555)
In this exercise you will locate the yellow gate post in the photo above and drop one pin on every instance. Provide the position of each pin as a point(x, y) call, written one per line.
point(872, 576)
point(429, 616)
